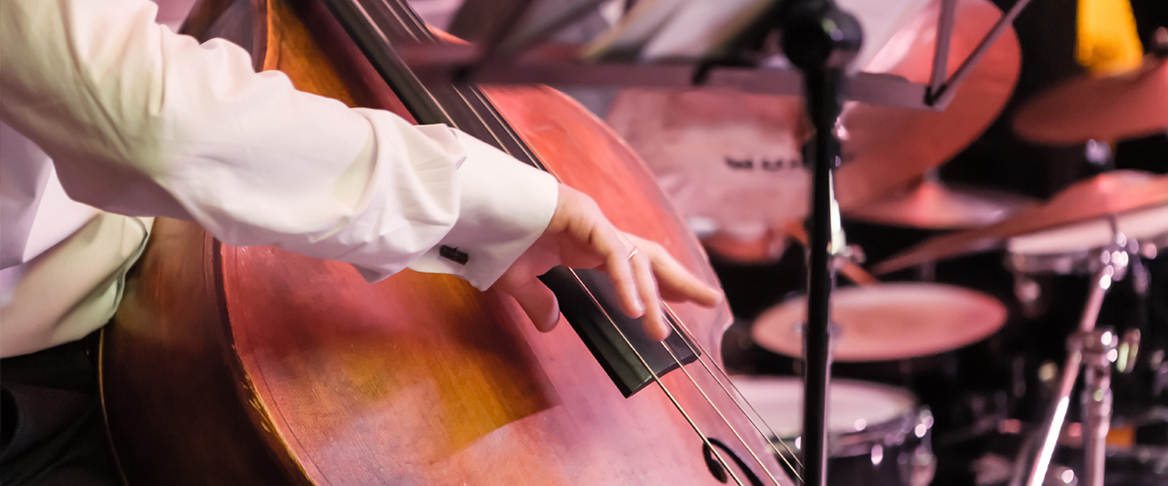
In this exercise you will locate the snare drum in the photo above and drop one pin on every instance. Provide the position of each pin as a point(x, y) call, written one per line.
point(878, 435)
point(1069, 249)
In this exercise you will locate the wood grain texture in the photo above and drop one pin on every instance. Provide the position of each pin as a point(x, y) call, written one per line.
point(175, 401)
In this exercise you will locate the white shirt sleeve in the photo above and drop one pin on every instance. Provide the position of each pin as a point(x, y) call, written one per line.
point(142, 121)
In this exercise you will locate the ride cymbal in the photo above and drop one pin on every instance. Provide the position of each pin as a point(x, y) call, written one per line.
point(932, 204)
point(1113, 193)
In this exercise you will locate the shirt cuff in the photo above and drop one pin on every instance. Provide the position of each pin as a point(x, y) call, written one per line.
point(504, 206)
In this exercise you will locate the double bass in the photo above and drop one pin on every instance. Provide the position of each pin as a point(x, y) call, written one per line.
point(254, 365)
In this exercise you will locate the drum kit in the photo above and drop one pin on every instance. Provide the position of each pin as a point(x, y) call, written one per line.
point(733, 164)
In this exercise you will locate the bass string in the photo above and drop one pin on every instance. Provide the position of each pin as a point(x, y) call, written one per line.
point(421, 32)
point(681, 366)
point(627, 341)
point(657, 379)
point(719, 412)
point(679, 322)
point(674, 319)
point(753, 415)
point(596, 303)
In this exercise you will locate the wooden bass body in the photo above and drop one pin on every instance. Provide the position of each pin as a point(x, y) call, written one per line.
point(255, 366)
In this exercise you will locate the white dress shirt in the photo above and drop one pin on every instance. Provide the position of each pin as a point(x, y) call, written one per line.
point(142, 122)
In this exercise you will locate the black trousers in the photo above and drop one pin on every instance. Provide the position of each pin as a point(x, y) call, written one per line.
point(51, 427)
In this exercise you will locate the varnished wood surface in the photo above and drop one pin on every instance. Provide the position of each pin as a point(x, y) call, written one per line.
point(419, 379)
point(171, 389)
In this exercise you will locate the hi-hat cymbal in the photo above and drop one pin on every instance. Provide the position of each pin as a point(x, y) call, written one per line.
point(735, 158)
point(1103, 108)
point(1117, 193)
point(932, 204)
point(889, 321)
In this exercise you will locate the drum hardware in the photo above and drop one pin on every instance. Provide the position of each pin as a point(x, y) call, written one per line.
point(1128, 351)
point(1081, 229)
point(1160, 367)
point(1030, 295)
point(1025, 266)
point(847, 260)
point(1095, 350)
point(1099, 351)
point(1128, 456)
point(996, 469)
point(1078, 262)
point(855, 256)
point(1099, 154)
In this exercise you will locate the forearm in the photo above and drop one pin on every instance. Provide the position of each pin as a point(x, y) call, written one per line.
point(141, 121)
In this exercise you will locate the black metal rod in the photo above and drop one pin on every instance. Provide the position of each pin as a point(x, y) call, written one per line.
point(819, 39)
point(823, 103)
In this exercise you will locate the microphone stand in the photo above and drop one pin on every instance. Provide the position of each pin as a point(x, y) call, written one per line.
point(820, 40)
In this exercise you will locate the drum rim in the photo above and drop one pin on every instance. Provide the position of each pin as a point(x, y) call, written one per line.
point(890, 433)
point(1077, 262)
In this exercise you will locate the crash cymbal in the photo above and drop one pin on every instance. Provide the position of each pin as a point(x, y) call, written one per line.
point(1121, 193)
point(932, 204)
point(885, 148)
point(735, 158)
point(1103, 108)
point(888, 321)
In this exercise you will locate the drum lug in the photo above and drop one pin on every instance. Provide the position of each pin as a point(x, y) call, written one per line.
point(1128, 351)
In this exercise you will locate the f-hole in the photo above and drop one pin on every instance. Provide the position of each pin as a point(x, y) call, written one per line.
point(716, 467)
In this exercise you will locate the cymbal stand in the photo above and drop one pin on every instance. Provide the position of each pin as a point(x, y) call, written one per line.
point(1093, 349)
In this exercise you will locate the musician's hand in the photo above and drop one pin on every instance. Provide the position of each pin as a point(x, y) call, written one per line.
point(579, 236)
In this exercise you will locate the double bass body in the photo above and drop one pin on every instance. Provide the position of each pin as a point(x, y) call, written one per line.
point(253, 365)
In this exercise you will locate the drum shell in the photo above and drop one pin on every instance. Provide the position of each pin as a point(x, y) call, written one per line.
point(876, 451)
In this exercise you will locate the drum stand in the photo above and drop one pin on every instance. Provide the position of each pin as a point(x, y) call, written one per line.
point(1095, 350)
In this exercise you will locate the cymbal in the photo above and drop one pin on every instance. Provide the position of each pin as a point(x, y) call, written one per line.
point(885, 148)
point(1106, 108)
point(753, 250)
point(888, 321)
point(933, 204)
point(1113, 193)
point(735, 158)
